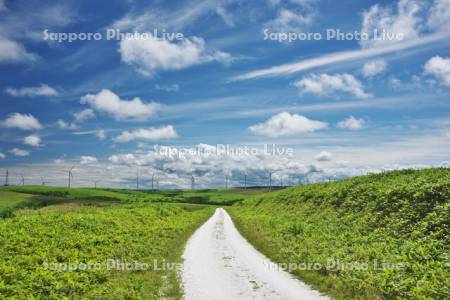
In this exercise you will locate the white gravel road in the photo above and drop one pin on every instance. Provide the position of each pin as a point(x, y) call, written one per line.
point(220, 264)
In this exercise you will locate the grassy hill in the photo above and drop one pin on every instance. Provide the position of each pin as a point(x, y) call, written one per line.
point(382, 236)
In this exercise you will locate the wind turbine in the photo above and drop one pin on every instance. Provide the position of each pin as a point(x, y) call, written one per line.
point(95, 183)
point(192, 182)
point(42, 180)
point(7, 177)
point(70, 176)
point(23, 180)
point(153, 181)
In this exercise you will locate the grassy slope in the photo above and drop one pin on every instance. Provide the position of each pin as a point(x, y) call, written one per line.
point(10, 200)
point(396, 217)
point(55, 224)
point(214, 197)
point(84, 234)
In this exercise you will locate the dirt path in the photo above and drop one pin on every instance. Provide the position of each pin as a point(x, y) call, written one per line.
point(221, 264)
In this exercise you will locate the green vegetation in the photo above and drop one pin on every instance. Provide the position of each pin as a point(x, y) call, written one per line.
point(9, 201)
point(213, 197)
point(46, 229)
point(397, 218)
point(34, 241)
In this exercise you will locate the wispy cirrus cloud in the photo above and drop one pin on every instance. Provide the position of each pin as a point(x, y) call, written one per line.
point(417, 32)
point(43, 90)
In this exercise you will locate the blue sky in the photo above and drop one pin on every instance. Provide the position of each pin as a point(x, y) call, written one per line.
point(345, 107)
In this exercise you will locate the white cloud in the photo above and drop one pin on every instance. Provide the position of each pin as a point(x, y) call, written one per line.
point(83, 115)
point(285, 124)
point(32, 140)
point(439, 17)
point(151, 55)
point(394, 82)
point(101, 134)
point(168, 88)
point(2, 155)
point(19, 152)
point(289, 20)
point(323, 156)
point(13, 52)
point(341, 57)
point(408, 19)
point(226, 16)
point(325, 84)
point(42, 90)
point(352, 123)
point(405, 22)
point(64, 125)
point(439, 67)
point(373, 68)
point(108, 102)
point(87, 160)
point(150, 134)
point(21, 121)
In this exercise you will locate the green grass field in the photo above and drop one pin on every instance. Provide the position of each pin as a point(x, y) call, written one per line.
point(399, 219)
point(42, 228)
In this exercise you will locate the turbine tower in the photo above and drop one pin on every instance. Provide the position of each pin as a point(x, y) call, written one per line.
point(70, 176)
point(192, 182)
point(7, 178)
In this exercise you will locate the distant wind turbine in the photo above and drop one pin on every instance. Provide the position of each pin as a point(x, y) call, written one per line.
point(70, 176)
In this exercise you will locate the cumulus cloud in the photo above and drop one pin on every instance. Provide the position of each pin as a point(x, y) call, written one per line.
point(40, 91)
point(439, 67)
point(107, 102)
point(151, 55)
point(373, 68)
point(13, 52)
point(83, 115)
point(2, 155)
point(325, 85)
point(352, 123)
point(285, 124)
point(19, 152)
point(32, 140)
point(439, 17)
point(323, 156)
point(101, 134)
point(177, 165)
point(21, 121)
point(148, 134)
point(87, 160)
point(64, 125)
